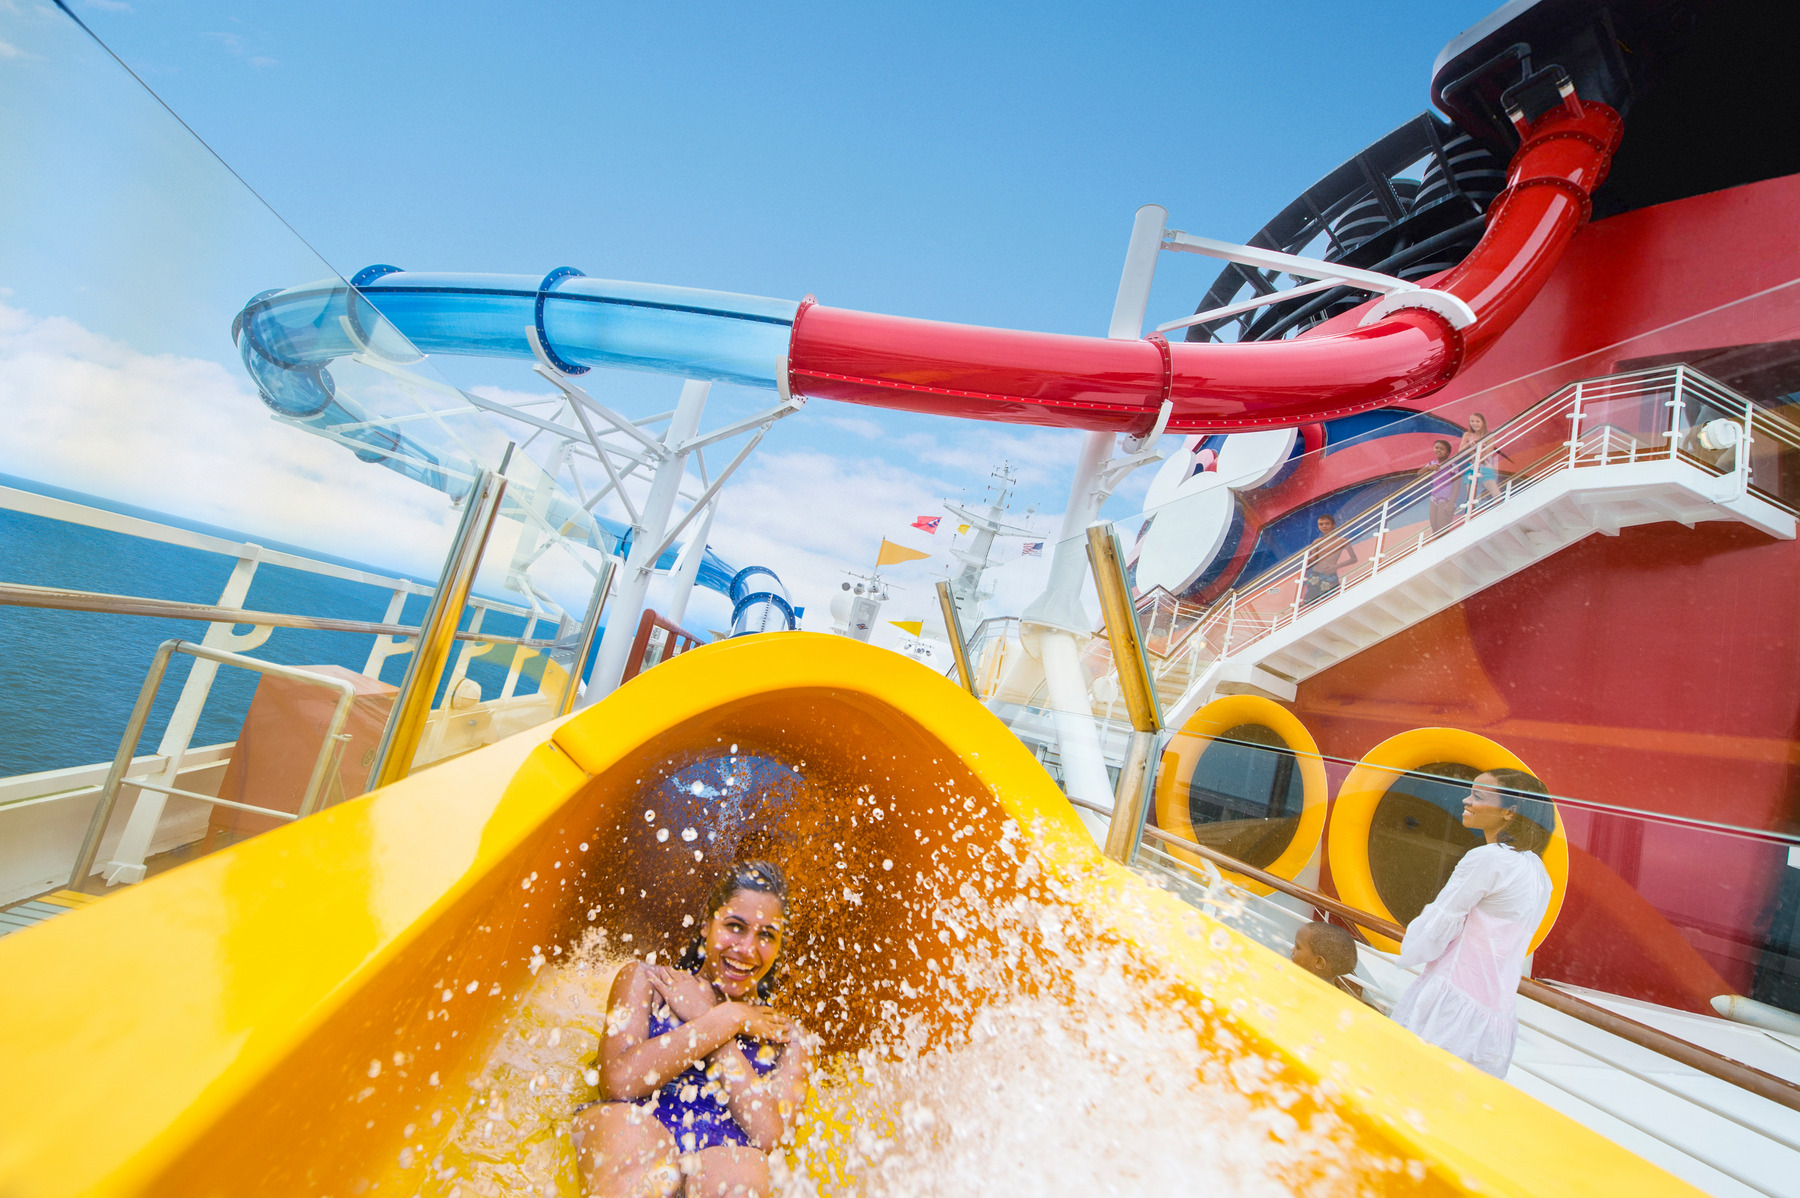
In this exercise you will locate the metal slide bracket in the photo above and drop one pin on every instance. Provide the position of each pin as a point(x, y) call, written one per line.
point(140, 715)
point(651, 450)
point(1397, 293)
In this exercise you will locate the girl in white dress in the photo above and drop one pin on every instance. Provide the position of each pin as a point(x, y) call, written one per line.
point(1476, 933)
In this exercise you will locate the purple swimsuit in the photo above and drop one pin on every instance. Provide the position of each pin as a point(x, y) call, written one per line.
point(691, 1105)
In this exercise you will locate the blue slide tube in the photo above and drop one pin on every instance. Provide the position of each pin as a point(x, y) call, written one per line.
point(582, 323)
point(289, 338)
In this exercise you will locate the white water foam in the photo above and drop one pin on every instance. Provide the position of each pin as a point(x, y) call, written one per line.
point(1070, 1066)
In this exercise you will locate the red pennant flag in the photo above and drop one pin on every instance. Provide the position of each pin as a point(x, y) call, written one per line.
point(927, 523)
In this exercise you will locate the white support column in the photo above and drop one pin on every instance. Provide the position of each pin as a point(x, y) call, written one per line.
point(127, 864)
point(687, 565)
point(1054, 621)
point(628, 605)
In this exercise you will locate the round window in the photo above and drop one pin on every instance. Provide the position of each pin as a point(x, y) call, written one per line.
point(1244, 778)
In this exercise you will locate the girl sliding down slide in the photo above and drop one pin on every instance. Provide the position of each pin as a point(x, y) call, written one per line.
point(699, 1075)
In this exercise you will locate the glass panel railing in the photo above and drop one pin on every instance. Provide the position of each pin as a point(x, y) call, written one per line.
point(165, 461)
point(544, 559)
point(1627, 918)
point(1042, 662)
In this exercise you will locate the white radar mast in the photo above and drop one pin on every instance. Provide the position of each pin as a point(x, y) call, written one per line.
point(973, 556)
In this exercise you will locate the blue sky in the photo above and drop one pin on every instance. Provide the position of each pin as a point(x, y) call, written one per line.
point(963, 162)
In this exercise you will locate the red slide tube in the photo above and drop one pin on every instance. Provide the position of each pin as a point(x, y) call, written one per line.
point(1119, 386)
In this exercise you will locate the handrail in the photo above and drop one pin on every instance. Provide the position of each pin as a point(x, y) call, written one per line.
point(640, 646)
point(67, 511)
point(16, 594)
point(1747, 1077)
point(1279, 595)
point(310, 799)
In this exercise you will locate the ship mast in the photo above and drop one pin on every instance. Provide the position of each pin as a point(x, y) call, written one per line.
point(975, 555)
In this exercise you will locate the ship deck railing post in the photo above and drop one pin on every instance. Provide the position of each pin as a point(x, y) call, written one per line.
point(1300, 582)
point(1677, 406)
point(1747, 448)
point(584, 642)
point(387, 645)
point(1381, 528)
point(1575, 416)
point(1137, 687)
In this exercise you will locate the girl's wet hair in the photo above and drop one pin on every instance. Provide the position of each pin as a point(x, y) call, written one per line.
point(1533, 814)
point(764, 877)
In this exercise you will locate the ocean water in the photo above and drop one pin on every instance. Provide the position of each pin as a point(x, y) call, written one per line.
point(68, 679)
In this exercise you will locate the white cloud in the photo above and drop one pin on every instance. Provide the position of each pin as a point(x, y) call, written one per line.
point(810, 516)
point(8, 50)
point(1039, 456)
point(857, 426)
point(232, 43)
point(191, 438)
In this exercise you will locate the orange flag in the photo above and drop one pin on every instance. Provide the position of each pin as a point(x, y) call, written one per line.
point(891, 553)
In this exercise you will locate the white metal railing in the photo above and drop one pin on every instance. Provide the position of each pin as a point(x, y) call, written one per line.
point(69, 512)
point(323, 764)
point(389, 638)
point(1663, 413)
point(1667, 413)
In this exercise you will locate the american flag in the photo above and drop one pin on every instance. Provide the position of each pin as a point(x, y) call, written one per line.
point(927, 523)
point(1032, 549)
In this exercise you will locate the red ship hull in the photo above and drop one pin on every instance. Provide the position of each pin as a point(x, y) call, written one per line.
point(1653, 670)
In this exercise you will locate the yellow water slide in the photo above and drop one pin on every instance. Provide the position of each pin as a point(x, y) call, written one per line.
point(318, 1009)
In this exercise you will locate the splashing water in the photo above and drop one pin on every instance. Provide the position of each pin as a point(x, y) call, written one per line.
point(1080, 1069)
point(1054, 1060)
point(511, 1139)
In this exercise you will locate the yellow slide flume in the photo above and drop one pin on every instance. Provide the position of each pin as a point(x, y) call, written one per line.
point(286, 1016)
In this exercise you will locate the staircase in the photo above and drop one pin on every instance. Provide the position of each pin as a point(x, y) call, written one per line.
point(1599, 455)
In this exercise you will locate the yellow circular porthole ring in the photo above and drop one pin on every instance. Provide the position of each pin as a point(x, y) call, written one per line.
point(1367, 784)
point(1182, 757)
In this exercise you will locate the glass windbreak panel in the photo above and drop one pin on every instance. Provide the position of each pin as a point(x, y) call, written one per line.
point(1043, 664)
point(1652, 908)
point(524, 620)
point(167, 445)
point(1677, 914)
